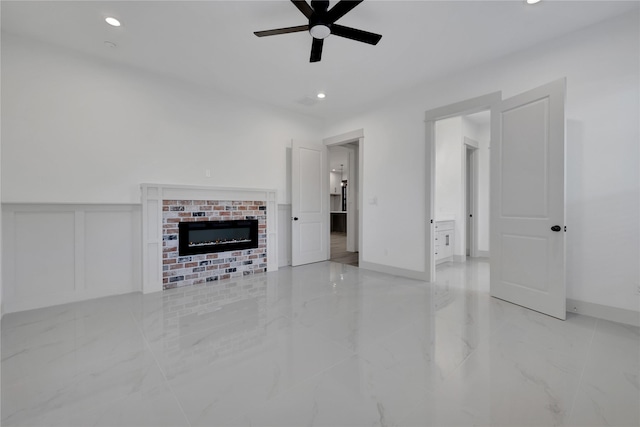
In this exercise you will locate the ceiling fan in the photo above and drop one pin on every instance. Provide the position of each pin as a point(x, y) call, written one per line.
point(322, 24)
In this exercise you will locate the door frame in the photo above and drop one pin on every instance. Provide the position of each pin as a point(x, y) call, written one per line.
point(469, 106)
point(470, 171)
point(356, 136)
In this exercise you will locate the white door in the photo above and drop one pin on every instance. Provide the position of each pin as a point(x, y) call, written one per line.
point(527, 200)
point(309, 204)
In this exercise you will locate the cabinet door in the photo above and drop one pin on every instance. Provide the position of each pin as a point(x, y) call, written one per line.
point(438, 245)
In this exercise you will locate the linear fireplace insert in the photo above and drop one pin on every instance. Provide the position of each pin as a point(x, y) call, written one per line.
point(216, 236)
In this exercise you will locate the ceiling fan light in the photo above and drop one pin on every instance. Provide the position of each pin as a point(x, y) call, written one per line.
point(320, 31)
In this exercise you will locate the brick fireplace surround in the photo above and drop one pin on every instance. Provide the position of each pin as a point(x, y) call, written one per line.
point(164, 206)
point(180, 271)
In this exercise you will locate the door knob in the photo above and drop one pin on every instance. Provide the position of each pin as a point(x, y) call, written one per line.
point(556, 228)
point(295, 218)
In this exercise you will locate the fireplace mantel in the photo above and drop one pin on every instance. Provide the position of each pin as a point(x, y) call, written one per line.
point(153, 196)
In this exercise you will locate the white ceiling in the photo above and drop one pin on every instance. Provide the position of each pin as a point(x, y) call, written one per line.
point(211, 43)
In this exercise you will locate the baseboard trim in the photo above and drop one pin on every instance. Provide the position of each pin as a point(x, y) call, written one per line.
point(483, 254)
point(613, 314)
point(394, 271)
point(459, 258)
point(61, 299)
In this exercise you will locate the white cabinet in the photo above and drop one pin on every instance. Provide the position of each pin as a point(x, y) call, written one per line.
point(335, 180)
point(444, 241)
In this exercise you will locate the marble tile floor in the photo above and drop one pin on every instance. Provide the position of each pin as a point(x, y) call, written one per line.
point(325, 344)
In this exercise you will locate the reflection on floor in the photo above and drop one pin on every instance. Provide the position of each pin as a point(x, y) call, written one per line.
point(339, 250)
point(324, 344)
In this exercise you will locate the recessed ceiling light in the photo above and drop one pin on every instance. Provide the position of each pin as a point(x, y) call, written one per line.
point(321, 95)
point(112, 21)
point(532, 1)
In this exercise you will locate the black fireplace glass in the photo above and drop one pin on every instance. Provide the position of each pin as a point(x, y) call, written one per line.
point(203, 237)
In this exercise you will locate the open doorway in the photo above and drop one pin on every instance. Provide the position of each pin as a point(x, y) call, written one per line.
point(471, 194)
point(461, 202)
point(342, 186)
point(527, 262)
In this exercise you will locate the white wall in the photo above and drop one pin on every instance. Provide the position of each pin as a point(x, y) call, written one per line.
point(601, 64)
point(82, 131)
point(1, 281)
point(337, 156)
point(449, 196)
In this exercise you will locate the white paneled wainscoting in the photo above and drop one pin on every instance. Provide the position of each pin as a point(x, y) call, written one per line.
point(59, 253)
point(284, 235)
point(56, 253)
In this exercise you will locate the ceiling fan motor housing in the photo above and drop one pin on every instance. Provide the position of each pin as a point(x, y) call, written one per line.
point(320, 5)
point(319, 28)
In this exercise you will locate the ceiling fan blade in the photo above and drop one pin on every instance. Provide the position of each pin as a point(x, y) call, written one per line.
point(282, 31)
point(355, 34)
point(342, 8)
point(316, 50)
point(304, 7)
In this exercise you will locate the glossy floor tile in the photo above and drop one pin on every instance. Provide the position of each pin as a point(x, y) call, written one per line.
point(325, 344)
